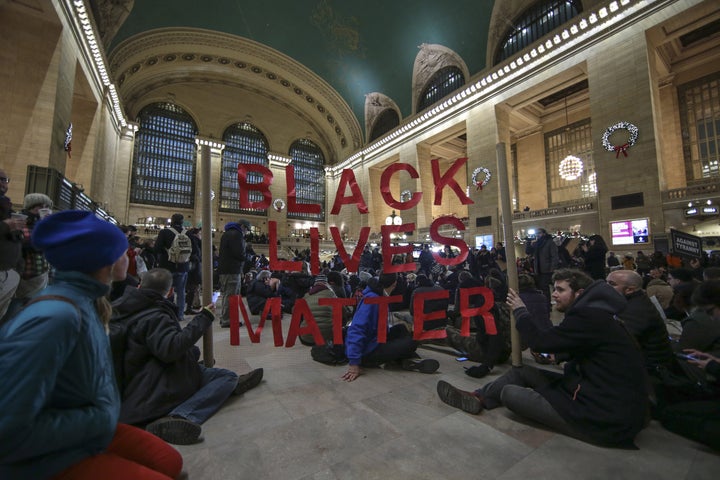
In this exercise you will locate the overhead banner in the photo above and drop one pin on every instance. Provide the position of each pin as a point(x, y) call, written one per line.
point(685, 245)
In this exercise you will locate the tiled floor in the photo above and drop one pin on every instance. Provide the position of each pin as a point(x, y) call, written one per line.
point(303, 422)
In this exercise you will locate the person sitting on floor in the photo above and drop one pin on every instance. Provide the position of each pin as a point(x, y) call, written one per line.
point(262, 288)
point(534, 301)
point(157, 367)
point(490, 345)
point(361, 343)
point(699, 418)
point(424, 285)
point(321, 313)
point(601, 397)
point(643, 320)
point(59, 404)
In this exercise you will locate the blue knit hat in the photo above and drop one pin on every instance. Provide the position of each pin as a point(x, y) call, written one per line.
point(78, 240)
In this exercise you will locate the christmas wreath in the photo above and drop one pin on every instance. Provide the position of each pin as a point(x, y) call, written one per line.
point(405, 195)
point(632, 129)
point(480, 183)
point(279, 204)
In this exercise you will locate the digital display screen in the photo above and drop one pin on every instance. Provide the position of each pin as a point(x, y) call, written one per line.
point(630, 232)
point(486, 240)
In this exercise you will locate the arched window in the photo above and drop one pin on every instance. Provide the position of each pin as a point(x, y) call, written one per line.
point(243, 144)
point(534, 23)
point(385, 122)
point(164, 159)
point(309, 163)
point(445, 81)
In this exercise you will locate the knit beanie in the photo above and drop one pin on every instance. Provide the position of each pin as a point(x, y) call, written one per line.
point(35, 199)
point(321, 278)
point(79, 241)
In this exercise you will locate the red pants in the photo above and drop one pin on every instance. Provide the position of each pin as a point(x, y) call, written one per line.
point(133, 453)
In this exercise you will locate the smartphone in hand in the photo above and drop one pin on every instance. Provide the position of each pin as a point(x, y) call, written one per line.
point(215, 297)
point(461, 359)
point(686, 356)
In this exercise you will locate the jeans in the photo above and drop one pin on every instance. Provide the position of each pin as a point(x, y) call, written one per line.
point(217, 385)
point(516, 390)
point(133, 453)
point(179, 281)
point(229, 285)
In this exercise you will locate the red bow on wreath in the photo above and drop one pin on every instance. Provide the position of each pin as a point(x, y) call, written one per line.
point(621, 148)
point(478, 186)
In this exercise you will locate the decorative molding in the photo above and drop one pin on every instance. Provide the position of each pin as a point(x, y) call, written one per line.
point(229, 54)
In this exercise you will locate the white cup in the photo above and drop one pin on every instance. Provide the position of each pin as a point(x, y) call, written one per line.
point(44, 212)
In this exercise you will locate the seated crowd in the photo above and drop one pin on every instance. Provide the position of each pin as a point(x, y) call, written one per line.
point(145, 384)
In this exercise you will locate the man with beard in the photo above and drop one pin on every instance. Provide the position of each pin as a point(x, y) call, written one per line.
point(601, 397)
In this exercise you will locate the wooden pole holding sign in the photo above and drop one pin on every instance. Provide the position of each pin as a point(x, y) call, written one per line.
point(506, 213)
point(206, 255)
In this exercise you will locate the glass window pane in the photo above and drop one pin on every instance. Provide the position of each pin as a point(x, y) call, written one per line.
point(534, 23)
point(309, 164)
point(164, 158)
point(699, 119)
point(243, 144)
point(444, 82)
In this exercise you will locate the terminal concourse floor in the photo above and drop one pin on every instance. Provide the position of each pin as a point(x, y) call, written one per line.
point(303, 422)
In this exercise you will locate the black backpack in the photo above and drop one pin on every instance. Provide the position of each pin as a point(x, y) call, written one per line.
point(329, 354)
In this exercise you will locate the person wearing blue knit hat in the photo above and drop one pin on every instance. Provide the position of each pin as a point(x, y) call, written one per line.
point(59, 403)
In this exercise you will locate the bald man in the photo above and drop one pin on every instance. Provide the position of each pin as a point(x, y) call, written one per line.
point(642, 319)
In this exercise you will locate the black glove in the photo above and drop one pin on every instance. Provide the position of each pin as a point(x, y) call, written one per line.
point(478, 371)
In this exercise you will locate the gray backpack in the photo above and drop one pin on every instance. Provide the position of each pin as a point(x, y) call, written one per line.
point(181, 247)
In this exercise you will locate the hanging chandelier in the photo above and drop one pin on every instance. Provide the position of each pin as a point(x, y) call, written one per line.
point(571, 168)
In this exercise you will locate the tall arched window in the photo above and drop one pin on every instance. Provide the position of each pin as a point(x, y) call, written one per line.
point(164, 159)
point(445, 81)
point(385, 122)
point(534, 23)
point(243, 144)
point(309, 163)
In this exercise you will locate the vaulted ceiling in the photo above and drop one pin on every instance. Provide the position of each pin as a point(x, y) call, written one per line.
point(357, 47)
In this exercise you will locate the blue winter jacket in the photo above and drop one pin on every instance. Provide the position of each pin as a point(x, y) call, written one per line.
point(59, 402)
point(361, 338)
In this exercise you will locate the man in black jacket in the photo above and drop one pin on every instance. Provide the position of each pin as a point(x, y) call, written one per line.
point(601, 397)
point(643, 320)
point(231, 264)
point(156, 363)
point(545, 261)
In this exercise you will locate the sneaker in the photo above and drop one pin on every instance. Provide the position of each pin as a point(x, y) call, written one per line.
point(248, 381)
point(427, 365)
point(176, 430)
point(466, 401)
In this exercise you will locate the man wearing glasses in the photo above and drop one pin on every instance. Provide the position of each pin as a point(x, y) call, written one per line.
point(10, 246)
